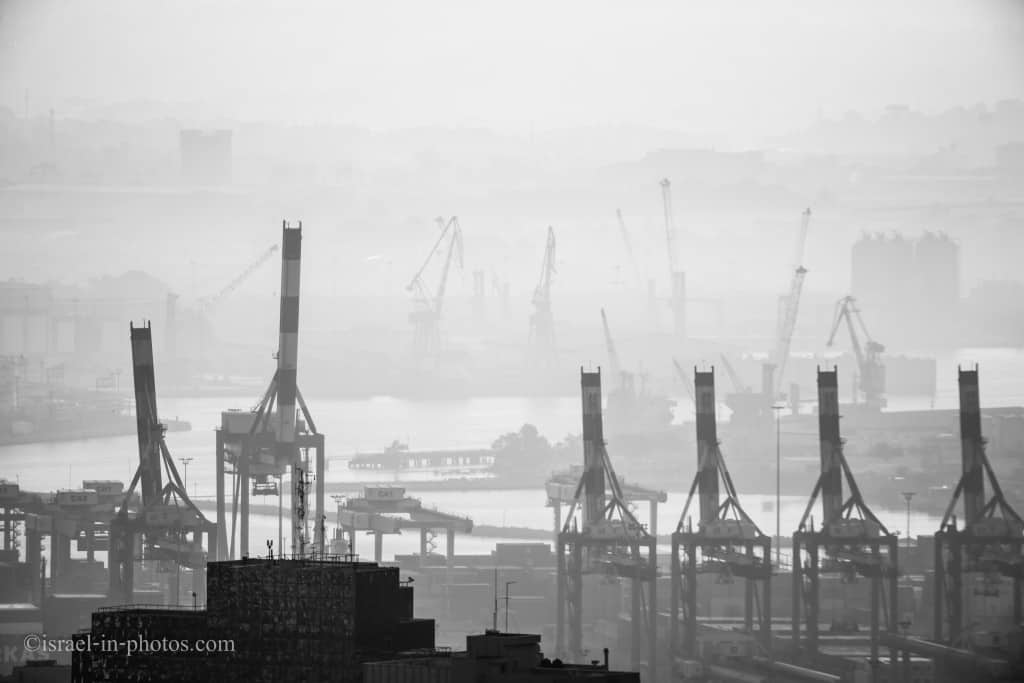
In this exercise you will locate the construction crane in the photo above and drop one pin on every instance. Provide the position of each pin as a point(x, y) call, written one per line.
point(629, 248)
point(425, 320)
point(677, 278)
point(869, 363)
point(542, 329)
point(208, 302)
point(790, 304)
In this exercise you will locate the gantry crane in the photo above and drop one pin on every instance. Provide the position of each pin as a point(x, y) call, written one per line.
point(427, 316)
point(869, 363)
point(789, 304)
point(206, 303)
point(602, 536)
point(267, 442)
point(726, 542)
point(677, 277)
point(851, 540)
point(167, 527)
point(990, 542)
point(542, 329)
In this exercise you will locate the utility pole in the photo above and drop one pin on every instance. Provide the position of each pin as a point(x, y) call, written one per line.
point(907, 495)
point(494, 627)
point(507, 584)
point(778, 480)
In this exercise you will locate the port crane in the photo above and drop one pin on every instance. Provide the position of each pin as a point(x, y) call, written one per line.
point(737, 383)
point(207, 303)
point(677, 277)
point(869, 364)
point(790, 304)
point(542, 329)
point(613, 356)
point(168, 524)
point(429, 304)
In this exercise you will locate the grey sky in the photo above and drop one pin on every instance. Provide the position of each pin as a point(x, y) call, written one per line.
point(739, 67)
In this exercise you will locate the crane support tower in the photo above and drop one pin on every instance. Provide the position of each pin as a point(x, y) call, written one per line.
point(601, 535)
point(542, 326)
point(726, 543)
point(991, 540)
point(262, 445)
point(851, 540)
point(166, 527)
point(677, 277)
point(869, 363)
point(429, 305)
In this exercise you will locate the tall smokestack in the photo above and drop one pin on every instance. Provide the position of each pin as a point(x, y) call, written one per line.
point(287, 361)
point(707, 444)
point(972, 446)
point(593, 447)
point(831, 444)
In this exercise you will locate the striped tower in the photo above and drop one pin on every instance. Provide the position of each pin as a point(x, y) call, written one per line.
point(707, 444)
point(831, 445)
point(972, 446)
point(287, 357)
point(593, 447)
point(149, 429)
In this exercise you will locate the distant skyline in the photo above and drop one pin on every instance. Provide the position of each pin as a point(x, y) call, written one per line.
point(732, 72)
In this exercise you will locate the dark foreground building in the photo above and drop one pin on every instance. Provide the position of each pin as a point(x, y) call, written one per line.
point(491, 658)
point(265, 620)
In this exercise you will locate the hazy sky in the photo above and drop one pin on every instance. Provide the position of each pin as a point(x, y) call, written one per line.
point(745, 67)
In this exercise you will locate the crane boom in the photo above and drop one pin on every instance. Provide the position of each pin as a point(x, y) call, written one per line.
point(737, 383)
point(685, 378)
point(613, 356)
point(454, 248)
point(629, 247)
point(791, 304)
point(670, 229)
point(542, 329)
point(209, 302)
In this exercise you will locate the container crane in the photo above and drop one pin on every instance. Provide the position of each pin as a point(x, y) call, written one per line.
point(869, 364)
point(429, 305)
point(542, 329)
point(791, 304)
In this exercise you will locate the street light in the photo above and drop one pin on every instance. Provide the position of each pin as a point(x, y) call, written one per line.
point(507, 584)
point(185, 462)
point(907, 495)
point(778, 480)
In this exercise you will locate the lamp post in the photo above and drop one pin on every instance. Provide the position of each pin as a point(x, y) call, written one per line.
point(907, 495)
point(185, 462)
point(507, 584)
point(778, 480)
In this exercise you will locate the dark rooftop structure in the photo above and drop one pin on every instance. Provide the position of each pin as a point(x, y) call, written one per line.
point(491, 657)
point(266, 620)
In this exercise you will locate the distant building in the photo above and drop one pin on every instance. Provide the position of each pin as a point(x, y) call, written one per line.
point(490, 658)
point(908, 289)
point(206, 156)
point(271, 620)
